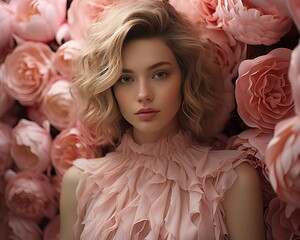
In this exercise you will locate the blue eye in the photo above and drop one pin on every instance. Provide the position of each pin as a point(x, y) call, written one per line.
point(125, 79)
point(160, 75)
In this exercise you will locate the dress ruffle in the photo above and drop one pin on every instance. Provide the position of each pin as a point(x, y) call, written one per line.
point(172, 189)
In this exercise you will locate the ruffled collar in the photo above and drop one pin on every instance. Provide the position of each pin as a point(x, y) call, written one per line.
point(165, 146)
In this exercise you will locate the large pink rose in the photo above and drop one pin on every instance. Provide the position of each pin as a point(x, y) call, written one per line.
point(283, 160)
point(263, 91)
point(5, 143)
point(20, 228)
point(70, 144)
point(29, 194)
point(58, 103)
point(38, 20)
point(294, 77)
point(31, 145)
point(255, 142)
point(52, 229)
point(65, 55)
point(294, 9)
point(282, 222)
point(27, 70)
point(252, 25)
point(82, 13)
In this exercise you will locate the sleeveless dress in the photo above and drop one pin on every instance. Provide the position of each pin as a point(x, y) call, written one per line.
point(171, 189)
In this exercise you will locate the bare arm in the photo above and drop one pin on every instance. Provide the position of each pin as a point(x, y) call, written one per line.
point(68, 203)
point(243, 206)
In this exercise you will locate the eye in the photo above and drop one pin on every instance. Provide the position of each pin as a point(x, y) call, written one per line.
point(125, 79)
point(160, 74)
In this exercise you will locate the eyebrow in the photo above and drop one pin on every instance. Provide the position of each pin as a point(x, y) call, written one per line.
point(155, 65)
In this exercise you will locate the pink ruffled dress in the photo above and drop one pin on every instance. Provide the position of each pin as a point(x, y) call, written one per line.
point(172, 189)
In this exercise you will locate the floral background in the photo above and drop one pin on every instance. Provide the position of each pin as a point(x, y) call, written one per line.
point(41, 133)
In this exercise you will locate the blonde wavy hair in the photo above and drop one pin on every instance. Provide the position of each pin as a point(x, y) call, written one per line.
point(100, 66)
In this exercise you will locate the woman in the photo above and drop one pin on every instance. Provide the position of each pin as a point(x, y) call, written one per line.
point(149, 86)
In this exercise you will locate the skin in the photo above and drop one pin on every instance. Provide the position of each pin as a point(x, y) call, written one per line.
point(151, 78)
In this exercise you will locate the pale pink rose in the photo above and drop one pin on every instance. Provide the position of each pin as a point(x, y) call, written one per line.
point(65, 55)
point(70, 144)
point(82, 13)
point(255, 142)
point(20, 228)
point(6, 25)
point(30, 147)
point(27, 70)
point(37, 114)
point(281, 222)
point(196, 11)
point(58, 104)
point(283, 160)
point(38, 20)
point(6, 101)
point(263, 92)
point(5, 143)
point(29, 194)
point(252, 25)
point(294, 77)
point(294, 9)
point(52, 229)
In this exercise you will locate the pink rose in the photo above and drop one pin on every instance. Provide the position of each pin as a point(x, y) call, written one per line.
point(263, 91)
point(31, 145)
point(251, 25)
point(52, 229)
point(70, 144)
point(294, 9)
point(65, 55)
point(197, 11)
point(282, 222)
point(29, 194)
point(26, 72)
point(294, 77)
point(5, 143)
point(19, 228)
point(283, 160)
point(58, 103)
point(6, 25)
point(82, 13)
point(38, 20)
point(6, 101)
point(255, 142)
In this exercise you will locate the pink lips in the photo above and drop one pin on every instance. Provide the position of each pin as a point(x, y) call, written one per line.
point(146, 114)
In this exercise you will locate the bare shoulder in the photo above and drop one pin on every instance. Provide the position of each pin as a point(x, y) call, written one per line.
point(247, 176)
point(71, 176)
point(243, 205)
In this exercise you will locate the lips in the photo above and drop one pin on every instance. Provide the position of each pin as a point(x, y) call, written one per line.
point(146, 114)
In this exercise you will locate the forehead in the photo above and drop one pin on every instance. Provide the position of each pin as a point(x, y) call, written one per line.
point(145, 52)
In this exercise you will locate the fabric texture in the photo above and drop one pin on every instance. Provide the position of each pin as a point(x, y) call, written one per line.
point(171, 189)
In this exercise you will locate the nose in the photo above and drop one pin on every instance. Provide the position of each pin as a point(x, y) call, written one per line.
point(145, 92)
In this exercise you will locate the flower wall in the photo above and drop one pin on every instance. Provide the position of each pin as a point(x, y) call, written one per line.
point(41, 133)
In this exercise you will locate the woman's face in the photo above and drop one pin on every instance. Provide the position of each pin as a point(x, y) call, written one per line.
point(149, 89)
